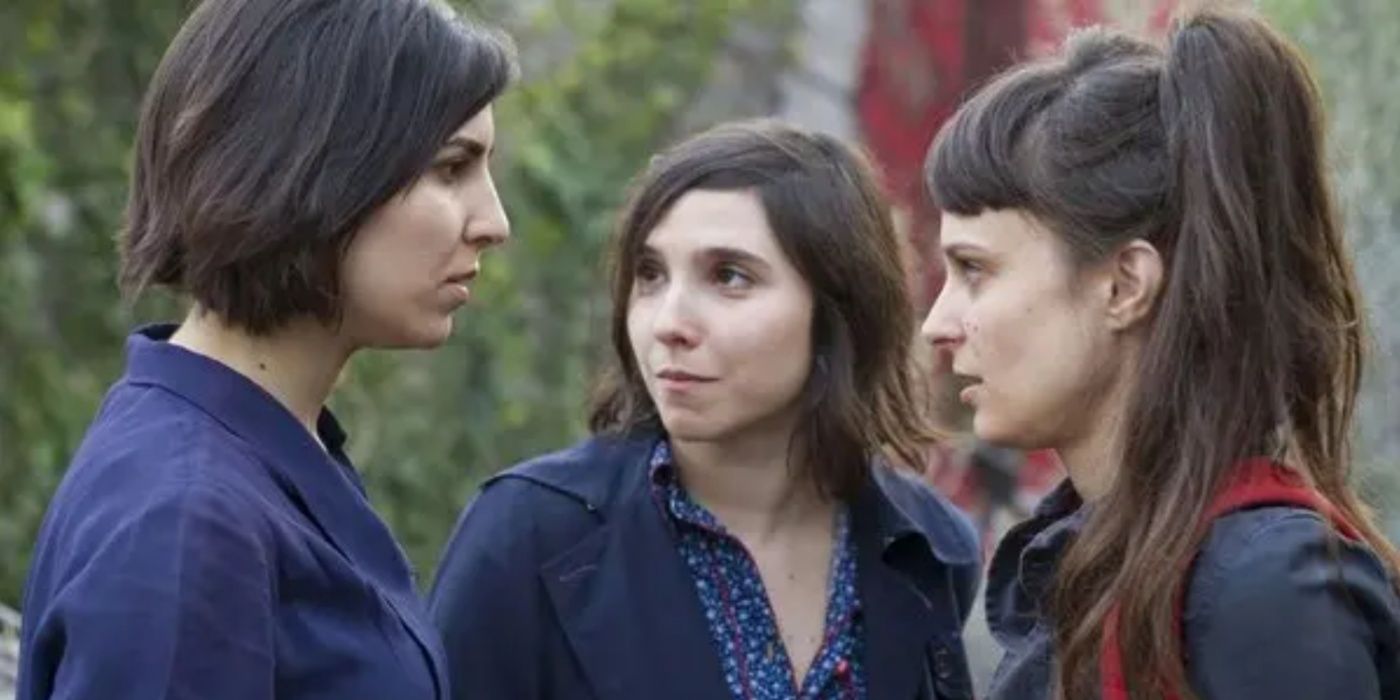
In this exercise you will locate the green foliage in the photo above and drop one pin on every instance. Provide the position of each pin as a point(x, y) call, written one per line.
point(1351, 47)
point(606, 83)
point(71, 74)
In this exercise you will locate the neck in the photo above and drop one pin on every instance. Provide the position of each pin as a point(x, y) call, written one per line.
point(297, 364)
point(1094, 458)
point(750, 486)
point(1088, 462)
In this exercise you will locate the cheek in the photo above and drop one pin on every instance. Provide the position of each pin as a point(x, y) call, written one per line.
point(996, 329)
point(774, 344)
point(383, 278)
point(1042, 365)
point(638, 330)
point(420, 229)
point(363, 278)
point(431, 229)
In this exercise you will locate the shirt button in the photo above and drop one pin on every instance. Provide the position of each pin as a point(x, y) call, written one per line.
point(843, 668)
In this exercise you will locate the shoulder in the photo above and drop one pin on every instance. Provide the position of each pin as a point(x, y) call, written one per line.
point(149, 454)
point(541, 505)
point(144, 436)
point(591, 473)
point(522, 519)
point(948, 530)
point(1279, 606)
point(1280, 549)
point(593, 469)
point(158, 542)
point(185, 567)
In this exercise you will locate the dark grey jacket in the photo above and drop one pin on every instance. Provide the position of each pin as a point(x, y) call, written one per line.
point(1272, 613)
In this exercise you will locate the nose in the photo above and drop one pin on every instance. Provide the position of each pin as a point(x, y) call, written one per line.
point(943, 327)
point(487, 223)
point(674, 323)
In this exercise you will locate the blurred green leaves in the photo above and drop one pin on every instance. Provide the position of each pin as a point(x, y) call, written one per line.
point(1352, 48)
point(606, 83)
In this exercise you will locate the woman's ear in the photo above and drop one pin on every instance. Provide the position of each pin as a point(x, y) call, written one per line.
point(1135, 273)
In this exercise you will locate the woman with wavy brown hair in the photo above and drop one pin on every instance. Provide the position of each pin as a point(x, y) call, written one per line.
point(735, 528)
point(1147, 274)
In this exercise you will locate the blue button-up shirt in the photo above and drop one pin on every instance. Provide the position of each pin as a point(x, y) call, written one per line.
point(203, 545)
point(1275, 609)
point(737, 611)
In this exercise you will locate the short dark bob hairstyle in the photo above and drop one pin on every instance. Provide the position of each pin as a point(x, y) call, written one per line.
point(273, 128)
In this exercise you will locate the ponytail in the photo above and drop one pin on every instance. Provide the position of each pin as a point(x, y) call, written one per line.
point(1260, 324)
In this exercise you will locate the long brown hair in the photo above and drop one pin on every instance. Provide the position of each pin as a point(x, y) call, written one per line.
point(861, 398)
point(1211, 150)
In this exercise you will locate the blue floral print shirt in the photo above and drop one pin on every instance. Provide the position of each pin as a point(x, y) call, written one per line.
point(737, 611)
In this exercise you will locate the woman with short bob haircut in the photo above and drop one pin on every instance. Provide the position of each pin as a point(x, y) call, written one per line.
point(736, 526)
point(312, 175)
point(1147, 274)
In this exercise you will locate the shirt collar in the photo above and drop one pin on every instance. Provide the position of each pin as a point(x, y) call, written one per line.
point(680, 508)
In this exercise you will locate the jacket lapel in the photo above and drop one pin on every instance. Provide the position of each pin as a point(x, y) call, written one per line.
point(631, 615)
point(630, 611)
point(906, 594)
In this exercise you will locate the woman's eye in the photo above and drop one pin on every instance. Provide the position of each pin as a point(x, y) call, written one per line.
point(647, 275)
point(732, 277)
point(969, 270)
point(453, 170)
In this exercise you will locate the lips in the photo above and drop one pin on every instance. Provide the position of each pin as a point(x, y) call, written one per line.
point(462, 278)
point(970, 386)
point(455, 287)
point(679, 376)
point(969, 394)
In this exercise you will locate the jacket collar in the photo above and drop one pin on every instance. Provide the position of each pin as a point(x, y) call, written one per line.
point(889, 500)
point(623, 592)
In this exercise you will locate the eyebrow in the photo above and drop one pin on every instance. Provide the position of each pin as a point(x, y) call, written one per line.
point(964, 249)
point(472, 146)
point(719, 253)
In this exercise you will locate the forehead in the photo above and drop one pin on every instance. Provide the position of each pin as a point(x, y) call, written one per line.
point(999, 231)
point(481, 127)
point(716, 219)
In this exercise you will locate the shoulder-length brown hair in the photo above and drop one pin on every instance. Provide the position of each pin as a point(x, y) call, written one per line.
point(1212, 151)
point(861, 396)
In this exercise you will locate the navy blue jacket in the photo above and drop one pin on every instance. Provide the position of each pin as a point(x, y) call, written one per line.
point(1276, 608)
point(202, 545)
point(562, 581)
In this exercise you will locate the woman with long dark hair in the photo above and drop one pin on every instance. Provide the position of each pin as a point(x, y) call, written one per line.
point(1147, 274)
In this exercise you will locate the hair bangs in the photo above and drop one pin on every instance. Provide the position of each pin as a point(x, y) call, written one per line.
point(985, 157)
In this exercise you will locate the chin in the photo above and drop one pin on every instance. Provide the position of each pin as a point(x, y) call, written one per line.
point(1002, 433)
point(419, 337)
point(691, 428)
point(988, 429)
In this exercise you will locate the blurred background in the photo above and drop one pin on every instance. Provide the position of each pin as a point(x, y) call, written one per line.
point(605, 84)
